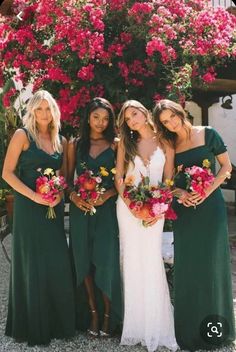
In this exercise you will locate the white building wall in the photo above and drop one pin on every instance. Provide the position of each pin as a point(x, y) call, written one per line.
point(224, 121)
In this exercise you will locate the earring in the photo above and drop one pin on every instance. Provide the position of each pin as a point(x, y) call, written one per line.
point(131, 134)
point(88, 122)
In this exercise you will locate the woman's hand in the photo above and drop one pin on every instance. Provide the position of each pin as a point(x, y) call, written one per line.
point(80, 203)
point(57, 200)
point(37, 198)
point(197, 199)
point(152, 221)
point(99, 201)
point(104, 197)
point(184, 197)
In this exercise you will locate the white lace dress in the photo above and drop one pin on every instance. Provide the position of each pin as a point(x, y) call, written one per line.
point(148, 313)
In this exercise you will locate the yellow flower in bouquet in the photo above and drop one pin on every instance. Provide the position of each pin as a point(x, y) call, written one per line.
point(103, 171)
point(129, 180)
point(206, 163)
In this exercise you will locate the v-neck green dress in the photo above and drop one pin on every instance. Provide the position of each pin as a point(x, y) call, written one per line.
point(41, 297)
point(94, 246)
point(203, 304)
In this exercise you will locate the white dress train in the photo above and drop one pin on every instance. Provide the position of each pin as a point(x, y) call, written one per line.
point(148, 313)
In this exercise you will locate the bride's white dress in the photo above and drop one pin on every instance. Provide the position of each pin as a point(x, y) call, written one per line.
point(148, 313)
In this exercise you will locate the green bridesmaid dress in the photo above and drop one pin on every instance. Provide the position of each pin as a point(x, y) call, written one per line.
point(94, 244)
point(203, 303)
point(41, 296)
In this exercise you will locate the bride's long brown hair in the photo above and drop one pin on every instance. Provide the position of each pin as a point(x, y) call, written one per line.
point(130, 138)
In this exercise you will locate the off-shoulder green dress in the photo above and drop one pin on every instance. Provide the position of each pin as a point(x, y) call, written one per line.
point(94, 243)
point(203, 304)
point(41, 296)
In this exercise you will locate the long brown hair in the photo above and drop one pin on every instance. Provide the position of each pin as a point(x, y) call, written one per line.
point(130, 138)
point(176, 108)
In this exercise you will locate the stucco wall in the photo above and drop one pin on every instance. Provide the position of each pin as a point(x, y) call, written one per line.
point(224, 121)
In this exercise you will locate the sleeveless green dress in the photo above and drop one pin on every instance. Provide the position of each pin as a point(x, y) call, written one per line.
point(203, 304)
point(41, 296)
point(94, 244)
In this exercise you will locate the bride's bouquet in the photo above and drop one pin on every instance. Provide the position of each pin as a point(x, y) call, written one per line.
point(148, 200)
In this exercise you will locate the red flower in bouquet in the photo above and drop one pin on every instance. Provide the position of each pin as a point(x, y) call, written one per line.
point(149, 201)
point(89, 186)
point(199, 178)
point(48, 185)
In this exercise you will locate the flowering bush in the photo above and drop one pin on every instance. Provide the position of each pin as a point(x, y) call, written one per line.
point(150, 201)
point(119, 49)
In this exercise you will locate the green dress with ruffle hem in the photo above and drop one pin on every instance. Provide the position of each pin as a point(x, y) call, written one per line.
point(94, 245)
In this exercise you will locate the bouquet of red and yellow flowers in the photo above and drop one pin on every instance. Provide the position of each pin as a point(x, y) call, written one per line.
point(48, 185)
point(89, 186)
point(149, 201)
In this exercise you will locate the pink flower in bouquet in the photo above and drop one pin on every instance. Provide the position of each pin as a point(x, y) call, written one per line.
point(159, 208)
point(49, 186)
point(149, 201)
point(199, 178)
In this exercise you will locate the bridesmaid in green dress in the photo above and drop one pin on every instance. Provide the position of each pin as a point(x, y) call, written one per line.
point(94, 238)
point(203, 304)
point(41, 298)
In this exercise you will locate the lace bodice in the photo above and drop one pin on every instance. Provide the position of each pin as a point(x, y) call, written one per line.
point(153, 169)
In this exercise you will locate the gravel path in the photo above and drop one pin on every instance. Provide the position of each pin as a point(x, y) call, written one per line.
point(80, 343)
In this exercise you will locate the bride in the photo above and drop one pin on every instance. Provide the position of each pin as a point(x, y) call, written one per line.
point(148, 316)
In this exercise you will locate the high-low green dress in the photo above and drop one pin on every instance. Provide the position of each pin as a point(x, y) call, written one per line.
point(94, 246)
point(41, 296)
point(202, 270)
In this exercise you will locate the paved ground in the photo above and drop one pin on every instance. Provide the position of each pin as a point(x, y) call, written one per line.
point(81, 343)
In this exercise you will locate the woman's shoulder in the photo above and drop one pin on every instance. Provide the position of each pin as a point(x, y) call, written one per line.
point(199, 129)
point(21, 133)
point(166, 146)
point(210, 132)
point(115, 143)
point(72, 144)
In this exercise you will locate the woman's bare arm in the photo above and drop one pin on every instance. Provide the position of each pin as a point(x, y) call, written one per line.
point(17, 145)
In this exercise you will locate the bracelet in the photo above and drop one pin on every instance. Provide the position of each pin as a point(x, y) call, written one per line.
point(71, 196)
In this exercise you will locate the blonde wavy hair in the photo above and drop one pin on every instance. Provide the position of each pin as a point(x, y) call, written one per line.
point(29, 119)
point(130, 143)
